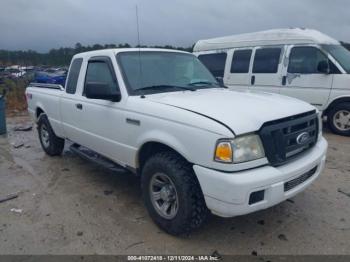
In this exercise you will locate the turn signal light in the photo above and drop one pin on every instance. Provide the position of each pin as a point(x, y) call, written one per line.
point(223, 152)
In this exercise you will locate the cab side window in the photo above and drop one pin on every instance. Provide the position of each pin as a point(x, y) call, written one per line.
point(241, 61)
point(215, 63)
point(100, 72)
point(266, 60)
point(307, 59)
point(72, 80)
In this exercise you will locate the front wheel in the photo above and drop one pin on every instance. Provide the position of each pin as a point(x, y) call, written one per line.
point(172, 194)
point(339, 119)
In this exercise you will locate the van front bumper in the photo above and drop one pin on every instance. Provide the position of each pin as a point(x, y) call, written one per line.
point(230, 194)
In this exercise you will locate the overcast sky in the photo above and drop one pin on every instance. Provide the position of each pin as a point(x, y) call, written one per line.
point(44, 24)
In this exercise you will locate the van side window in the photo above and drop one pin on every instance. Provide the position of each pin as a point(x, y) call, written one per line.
point(100, 72)
point(305, 60)
point(215, 63)
point(72, 80)
point(266, 60)
point(241, 61)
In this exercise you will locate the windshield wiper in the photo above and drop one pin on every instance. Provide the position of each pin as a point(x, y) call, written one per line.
point(202, 83)
point(157, 87)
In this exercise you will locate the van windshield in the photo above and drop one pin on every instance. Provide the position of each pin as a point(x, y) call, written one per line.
point(148, 72)
point(341, 54)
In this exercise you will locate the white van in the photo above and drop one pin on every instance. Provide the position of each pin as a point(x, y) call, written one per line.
point(301, 63)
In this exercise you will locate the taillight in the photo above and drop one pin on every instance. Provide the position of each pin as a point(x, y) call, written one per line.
point(29, 96)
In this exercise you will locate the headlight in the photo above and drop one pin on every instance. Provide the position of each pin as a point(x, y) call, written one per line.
point(238, 150)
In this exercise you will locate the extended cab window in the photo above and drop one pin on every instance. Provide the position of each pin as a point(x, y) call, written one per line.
point(215, 63)
point(306, 60)
point(241, 61)
point(100, 72)
point(72, 80)
point(266, 60)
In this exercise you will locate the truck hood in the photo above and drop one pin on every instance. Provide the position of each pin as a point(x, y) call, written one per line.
point(242, 112)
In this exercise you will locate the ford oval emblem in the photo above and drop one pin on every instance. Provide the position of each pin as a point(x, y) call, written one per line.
point(303, 138)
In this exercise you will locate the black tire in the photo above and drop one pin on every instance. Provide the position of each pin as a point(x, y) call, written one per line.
point(332, 114)
point(192, 211)
point(53, 145)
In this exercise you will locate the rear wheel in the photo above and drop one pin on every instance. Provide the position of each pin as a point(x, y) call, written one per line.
point(339, 119)
point(52, 144)
point(172, 194)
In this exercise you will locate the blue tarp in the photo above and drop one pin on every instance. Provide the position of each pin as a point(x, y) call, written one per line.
point(50, 78)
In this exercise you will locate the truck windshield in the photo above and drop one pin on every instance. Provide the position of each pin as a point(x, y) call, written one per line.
point(148, 72)
point(341, 54)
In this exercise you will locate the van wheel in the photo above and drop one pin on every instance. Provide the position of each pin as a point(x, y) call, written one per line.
point(52, 144)
point(339, 119)
point(172, 194)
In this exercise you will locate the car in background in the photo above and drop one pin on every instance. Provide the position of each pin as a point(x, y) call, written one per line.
point(302, 63)
point(15, 73)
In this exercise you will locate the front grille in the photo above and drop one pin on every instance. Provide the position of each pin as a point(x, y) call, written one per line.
point(280, 137)
point(299, 180)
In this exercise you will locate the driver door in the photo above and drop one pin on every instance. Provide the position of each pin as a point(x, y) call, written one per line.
point(101, 121)
point(304, 79)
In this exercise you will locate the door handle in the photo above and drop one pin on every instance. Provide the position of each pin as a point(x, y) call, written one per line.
point(284, 80)
point(252, 80)
point(79, 106)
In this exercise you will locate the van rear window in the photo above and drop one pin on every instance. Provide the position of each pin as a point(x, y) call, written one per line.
point(266, 60)
point(215, 63)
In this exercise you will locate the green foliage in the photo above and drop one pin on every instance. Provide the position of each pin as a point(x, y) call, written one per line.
point(61, 56)
point(15, 96)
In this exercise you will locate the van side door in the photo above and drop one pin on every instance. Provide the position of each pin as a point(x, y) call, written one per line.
point(237, 71)
point(267, 69)
point(309, 75)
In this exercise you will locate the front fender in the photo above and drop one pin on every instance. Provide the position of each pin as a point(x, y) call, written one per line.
point(164, 138)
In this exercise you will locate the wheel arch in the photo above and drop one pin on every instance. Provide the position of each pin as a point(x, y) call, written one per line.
point(151, 147)
point(338, 100)
point(38, 112)
point(39, 109)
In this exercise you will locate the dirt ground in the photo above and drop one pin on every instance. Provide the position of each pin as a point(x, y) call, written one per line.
point(71, 206)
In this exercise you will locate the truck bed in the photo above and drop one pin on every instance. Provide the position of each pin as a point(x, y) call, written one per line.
point(47, 98)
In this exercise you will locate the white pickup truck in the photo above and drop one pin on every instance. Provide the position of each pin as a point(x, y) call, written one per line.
point(197, 146)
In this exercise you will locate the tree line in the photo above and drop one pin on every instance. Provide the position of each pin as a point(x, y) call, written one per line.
point(61, 56)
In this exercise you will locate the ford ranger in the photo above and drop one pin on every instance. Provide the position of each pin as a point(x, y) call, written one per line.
point(197, 146)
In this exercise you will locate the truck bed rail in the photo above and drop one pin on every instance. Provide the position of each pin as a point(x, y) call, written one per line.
point(43, 85)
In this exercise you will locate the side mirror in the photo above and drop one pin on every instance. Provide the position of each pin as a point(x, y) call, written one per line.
point(323, 67)
point(220, 81)
point(101, 90)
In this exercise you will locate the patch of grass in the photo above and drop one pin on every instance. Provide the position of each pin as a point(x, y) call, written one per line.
point(15, 94)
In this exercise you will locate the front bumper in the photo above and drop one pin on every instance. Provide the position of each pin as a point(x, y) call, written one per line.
point(228, 194)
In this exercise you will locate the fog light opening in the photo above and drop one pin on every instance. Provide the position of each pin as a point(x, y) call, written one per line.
point(256, 197)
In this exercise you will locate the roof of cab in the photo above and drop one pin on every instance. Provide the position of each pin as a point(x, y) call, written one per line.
point(115, 51)
point(269, 37)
